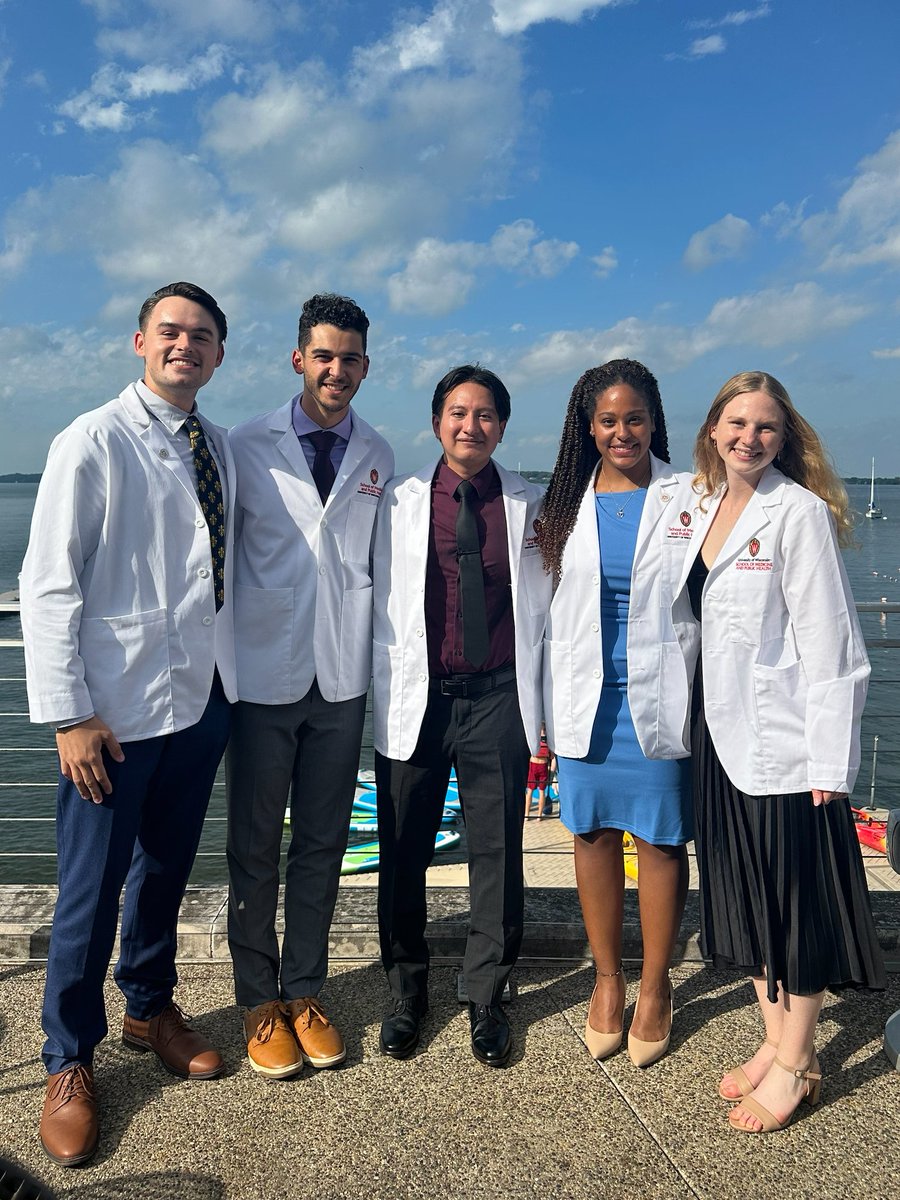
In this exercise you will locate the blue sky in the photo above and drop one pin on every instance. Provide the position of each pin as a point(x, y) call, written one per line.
point(539, 185)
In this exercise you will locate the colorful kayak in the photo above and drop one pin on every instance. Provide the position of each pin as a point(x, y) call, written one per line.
point(869, 831)
point(365, 856)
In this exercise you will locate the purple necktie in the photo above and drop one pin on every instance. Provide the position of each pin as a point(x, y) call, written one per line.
point(476, 642)
point(323, 470)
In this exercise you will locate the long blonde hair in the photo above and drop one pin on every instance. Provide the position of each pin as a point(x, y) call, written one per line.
point(802, 458)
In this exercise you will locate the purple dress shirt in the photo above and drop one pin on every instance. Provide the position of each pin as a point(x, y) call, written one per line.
point(443, 608)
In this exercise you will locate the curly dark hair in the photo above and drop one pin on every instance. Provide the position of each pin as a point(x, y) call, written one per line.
point(578, 454)
point(327, 308)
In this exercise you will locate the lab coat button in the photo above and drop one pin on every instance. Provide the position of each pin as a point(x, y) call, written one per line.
point(199, 522)
point(163, 453)
point(207, 620)
point(203, 573)
point(422, 678)
point(420, 633)
point(321, 570)
point(595, 628)
point(596, 674)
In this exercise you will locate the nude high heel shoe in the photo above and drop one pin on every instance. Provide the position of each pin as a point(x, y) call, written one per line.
point(602, 1045)
point(644, 1054)
point(770, 1123)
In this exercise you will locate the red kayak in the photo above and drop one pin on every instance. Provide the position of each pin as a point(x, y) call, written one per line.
point(869, 831)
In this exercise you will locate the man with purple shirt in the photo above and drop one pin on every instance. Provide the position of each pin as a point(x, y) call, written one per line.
point(309, 476)
point(460, 602)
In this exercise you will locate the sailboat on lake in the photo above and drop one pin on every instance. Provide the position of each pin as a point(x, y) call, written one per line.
point(873, 512)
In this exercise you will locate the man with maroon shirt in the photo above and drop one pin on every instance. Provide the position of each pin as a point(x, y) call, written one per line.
point(460, 598)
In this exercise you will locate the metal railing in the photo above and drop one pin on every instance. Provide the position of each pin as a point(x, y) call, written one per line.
point(25, 787)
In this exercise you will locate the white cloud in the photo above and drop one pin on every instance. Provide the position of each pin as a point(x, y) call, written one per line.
point(739, 17)
point(605, 262)
point(770, 318)
point(5, 64)
point(105, 104)
point(784, 219)
point(702, 47)
point(864, 229)
point(514, 16)
point(192, 25)
point(893, 352)
point(439, 276)
point(724, 239)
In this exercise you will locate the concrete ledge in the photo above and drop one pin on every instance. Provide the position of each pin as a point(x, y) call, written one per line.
point(553, 925)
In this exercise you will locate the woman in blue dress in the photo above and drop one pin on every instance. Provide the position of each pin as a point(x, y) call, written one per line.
point(610, 682)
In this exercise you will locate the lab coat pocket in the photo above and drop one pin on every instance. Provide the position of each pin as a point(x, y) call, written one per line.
point(387, 671)
point(355, 654)
point(358, 533)
point(120, 652)
point(263, 630)
point(780, 694)
point(559, 707)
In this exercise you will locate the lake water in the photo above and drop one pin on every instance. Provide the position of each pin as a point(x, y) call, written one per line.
point(27, 758)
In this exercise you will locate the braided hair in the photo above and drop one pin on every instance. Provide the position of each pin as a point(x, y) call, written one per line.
point(578, 454)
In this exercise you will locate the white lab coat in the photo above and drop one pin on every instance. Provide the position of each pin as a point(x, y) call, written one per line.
point(400, 667)
point(785, 670)
point(118, 612)
point(659, 682)
point(303, 586)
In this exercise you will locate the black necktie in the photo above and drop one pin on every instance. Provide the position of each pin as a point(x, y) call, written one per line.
point(323, 471)
point(209, 493)
point(471, 577)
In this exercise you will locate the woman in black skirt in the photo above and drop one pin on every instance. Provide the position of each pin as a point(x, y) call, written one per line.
point(775, 734)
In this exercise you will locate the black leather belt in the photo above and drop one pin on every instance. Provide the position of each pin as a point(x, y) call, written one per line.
point(468, 686)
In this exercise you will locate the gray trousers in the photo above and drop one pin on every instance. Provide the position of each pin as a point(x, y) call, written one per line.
point(309, 750)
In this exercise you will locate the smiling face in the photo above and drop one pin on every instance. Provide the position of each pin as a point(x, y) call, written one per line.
point(180, 347)
point(333, 365)
point(748, 435)
point(468, 428)
point(622, 429)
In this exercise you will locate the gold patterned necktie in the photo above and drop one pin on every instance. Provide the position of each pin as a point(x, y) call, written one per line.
point(209, 493)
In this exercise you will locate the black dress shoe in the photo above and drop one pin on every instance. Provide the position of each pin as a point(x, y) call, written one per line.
point(491, 1035)
point(400, 1028)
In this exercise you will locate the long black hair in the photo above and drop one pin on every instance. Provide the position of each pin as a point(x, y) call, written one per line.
point(578, 454)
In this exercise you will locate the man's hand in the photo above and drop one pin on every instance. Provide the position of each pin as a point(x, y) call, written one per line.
point(81, 757)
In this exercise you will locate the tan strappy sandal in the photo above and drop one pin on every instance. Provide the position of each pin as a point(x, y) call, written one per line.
point(739, 1075)
point(770, 1122)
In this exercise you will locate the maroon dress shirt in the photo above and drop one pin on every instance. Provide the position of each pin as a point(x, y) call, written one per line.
point(443, 609)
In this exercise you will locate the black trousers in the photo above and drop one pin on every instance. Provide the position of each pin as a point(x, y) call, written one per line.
point(484, 739)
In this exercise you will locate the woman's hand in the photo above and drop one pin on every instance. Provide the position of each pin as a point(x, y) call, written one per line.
point(820, 797)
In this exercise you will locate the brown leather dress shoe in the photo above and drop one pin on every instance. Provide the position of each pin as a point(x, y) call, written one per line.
point(69, 1129)
point(271, 1046)
point(181, 1050)
point(320, 1042)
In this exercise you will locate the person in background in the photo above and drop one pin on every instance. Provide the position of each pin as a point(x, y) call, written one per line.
point(460, 602)
point(309, 476)
point(608, 688)
point(775, 737)
point(129, 653)
point(539, 780)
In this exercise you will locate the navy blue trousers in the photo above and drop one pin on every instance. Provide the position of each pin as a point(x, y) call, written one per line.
point(143, 836)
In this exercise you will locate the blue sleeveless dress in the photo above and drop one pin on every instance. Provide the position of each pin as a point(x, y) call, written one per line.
point(614, 786)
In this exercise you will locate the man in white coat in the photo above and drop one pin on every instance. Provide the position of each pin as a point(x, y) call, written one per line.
point(310, 475)
point(129, 653)
point(461, 598)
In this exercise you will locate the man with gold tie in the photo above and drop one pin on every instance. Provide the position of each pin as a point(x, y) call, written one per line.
point(129, 653)
point(460, 601)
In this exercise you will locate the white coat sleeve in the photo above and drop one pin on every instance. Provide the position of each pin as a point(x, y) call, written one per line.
point(829, 644)
point(65, 530)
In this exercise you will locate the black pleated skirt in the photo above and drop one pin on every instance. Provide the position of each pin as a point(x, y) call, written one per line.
point(782, 885)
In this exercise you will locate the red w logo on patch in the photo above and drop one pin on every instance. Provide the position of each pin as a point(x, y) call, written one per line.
point(373, 475)
point(753, 547)
point(685, 518)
